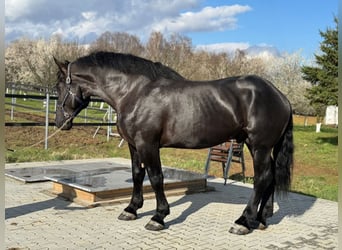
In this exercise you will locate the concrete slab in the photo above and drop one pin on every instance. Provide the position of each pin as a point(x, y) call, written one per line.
point(40, 171)
point(37, 220)
point(97, 183)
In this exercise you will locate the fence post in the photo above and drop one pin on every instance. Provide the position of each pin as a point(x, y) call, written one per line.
point(55, 110)
point(85, 115)
point(109, 128)
point(47, 120)
point(12, 107)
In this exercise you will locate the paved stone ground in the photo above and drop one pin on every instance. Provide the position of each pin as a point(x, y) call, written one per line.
point(37, 220)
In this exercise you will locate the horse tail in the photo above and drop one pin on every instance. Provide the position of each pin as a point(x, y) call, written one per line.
point(283, 158)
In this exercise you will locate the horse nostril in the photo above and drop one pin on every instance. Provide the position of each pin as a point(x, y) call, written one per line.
point(66, 115)
point(67, 126)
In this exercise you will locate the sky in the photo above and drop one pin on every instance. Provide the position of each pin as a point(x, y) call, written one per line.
point(281, 26)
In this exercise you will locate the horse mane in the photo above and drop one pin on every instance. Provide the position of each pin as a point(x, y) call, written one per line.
point(129, 64)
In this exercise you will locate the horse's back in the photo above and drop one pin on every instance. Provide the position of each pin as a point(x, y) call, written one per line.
point(202, 114)
point(189, 114)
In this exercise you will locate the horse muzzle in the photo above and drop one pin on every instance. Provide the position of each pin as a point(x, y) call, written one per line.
point(64, 124)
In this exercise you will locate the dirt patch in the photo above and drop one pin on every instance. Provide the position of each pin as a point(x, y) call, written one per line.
point(25, 136)
point(18, 137)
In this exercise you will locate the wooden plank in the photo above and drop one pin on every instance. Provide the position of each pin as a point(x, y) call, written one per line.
point(223, 154)
point(124, 194)
point(72, 193)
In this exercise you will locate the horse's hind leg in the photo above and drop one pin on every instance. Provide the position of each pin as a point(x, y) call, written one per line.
point(266, 206)
point(263, 178)
point(138, 174)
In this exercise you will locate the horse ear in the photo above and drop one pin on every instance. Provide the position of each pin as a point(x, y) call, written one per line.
point(62, 66)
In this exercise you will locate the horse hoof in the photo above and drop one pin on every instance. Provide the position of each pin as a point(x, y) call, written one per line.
point(154, 226)
point(239, 230)
point(127, 216)
point(262, 226)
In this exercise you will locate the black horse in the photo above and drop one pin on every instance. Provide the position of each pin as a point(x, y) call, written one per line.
point(156, 107)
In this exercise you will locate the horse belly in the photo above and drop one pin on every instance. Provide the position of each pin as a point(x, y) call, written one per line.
point(201, 118)
point(195, 135)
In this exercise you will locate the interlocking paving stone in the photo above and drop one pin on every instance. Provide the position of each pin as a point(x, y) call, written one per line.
point(37, 220)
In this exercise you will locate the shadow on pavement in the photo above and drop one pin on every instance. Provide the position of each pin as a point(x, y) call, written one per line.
point(55, 203)
point(292, 205)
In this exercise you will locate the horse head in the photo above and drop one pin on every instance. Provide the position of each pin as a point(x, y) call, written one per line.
point(70, 100)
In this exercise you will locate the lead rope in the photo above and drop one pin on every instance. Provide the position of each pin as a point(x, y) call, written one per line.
point(67, 81)
point(43, 140)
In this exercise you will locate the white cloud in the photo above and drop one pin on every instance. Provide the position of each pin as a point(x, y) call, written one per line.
point(263, 50)
point(223, 47)
point(10, 11)
point(252, 51)
point(208, 19)
point(89, 15)
point(91, 22)
point(17, 8)
point(31, 10)
point(78, 19)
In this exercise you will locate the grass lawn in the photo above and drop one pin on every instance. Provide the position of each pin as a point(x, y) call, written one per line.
point(315, 170)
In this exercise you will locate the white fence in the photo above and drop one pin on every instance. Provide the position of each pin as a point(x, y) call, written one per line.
point(14, 91)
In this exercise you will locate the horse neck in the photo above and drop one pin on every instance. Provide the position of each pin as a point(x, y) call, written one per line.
point(115, 88)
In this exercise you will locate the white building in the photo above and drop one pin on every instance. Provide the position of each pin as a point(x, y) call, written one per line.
point(331, 115)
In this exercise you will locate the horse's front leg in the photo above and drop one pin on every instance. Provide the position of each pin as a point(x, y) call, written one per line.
point(150, 158)
point(137, 200)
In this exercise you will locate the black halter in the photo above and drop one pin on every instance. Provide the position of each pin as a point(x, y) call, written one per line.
point(82, 105)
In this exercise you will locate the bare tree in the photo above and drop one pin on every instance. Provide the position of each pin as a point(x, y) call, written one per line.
point(285, 73)
point(155, 47)
point(117, 42)
point(178, 54)
point(31, 61)
point(212, 65)
point(16, 69)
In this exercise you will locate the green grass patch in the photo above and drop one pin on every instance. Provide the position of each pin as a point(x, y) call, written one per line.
point(41, 109)
point(318, 186)
point(316, 149)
